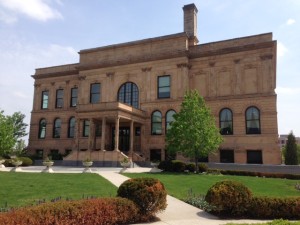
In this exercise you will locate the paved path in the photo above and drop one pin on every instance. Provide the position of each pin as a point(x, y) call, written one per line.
point(176, 213)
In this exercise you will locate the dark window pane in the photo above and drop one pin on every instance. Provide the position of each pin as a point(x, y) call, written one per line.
point(86, 128)
point(252, 121)
point(59, 98)
point(74, 92)
point(57, 128)
point(163, 87)
point(226, 124)
point(128, 94)
point(72, 123)
point(42, 129)
point(254, 157)
point(95, 93)
point(156, 127)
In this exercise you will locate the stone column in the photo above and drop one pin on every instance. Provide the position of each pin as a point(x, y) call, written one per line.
point(103, 133)
point(117, 134)
point(131, 138)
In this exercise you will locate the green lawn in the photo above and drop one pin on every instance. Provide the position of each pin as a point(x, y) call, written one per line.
point(178, 185)
point(19, 189)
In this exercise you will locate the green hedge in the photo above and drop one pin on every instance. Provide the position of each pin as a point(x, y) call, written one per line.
point(180, 167)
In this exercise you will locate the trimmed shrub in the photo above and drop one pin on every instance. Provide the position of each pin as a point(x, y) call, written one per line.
point(165, 165)
point(202, 168)
point(178, 166)
point(148, 194)
point(104, 211)
point(190, 167)
point(274, 208)
point(25, 161)
point(230, 198)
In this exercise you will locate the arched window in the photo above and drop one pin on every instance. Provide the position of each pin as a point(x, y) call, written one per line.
point(42, 129)
point(129, 94)
point(226, 127)
point(252, 120)
point(156, 125)
point(169, 119)
point(71, 130)
point(57, 128)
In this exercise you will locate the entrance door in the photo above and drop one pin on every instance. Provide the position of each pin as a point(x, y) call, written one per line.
point(124, 138)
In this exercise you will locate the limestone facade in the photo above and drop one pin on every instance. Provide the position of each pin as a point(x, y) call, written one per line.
point(121, 97)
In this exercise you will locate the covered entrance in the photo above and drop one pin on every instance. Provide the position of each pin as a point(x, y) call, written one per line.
point(124, 138)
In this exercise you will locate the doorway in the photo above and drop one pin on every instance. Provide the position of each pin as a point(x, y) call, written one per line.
point(124, 138)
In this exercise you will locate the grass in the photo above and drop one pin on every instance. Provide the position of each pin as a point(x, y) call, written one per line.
point(178, 185)
point(20, 189)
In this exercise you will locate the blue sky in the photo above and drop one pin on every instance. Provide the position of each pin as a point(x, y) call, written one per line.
point(40, 33)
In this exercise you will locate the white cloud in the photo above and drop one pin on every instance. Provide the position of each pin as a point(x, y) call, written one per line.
point(290, 21)
point(281, 49)
point(287, 91)
point(35, 9)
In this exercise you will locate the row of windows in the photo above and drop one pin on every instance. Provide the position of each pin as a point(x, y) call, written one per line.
point(252, 116)
point(128, 94)
point(156, 121)
point(71, 128)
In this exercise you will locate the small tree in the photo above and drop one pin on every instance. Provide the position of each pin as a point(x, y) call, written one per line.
point(194, 132)
point(7, 139)
point(291, 157)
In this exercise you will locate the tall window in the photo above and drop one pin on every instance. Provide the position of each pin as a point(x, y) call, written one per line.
point(129, 94)
point(71, 130)
point(57, 128)
point(45, 99)
point(226, 127)
point(169, 119)
point(86, 128)
point(95, 93)
point(59, 98)
point(252, 120)
point(156, 125)
point(42, 129)
point(74, 95)
point(163, 87)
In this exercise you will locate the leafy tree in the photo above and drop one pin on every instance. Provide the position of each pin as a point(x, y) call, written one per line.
point(17, 120)
point(291, 157)
point(194, 132)
point(7, 139)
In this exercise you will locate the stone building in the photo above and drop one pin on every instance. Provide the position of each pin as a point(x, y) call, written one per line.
point(120, 99)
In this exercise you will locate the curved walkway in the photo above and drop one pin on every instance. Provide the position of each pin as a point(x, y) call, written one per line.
point(176, 213)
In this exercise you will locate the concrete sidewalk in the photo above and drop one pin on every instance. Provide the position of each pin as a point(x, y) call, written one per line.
point(176, 213)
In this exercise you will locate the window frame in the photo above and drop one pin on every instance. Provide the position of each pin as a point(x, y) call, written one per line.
point(160, 87)
point(59, 99)
point(44, 128)
point(93, 94)
point(44, 100)
point(167, 123)
point(153, 123)
point(56, 128)
point(71, 128)
point(132, 94)
point(74, 97)
point(225, 121)
point(252, 120)
point(86, 132)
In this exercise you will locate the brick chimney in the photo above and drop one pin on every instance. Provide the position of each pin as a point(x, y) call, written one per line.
point(190, 23)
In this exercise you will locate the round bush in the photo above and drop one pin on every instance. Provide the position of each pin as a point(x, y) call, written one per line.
point(178, 166)
point(25, 161)
point(229, 198)
point(190, 167)
point(165, 165)
point(202, 168)
point(148, 194)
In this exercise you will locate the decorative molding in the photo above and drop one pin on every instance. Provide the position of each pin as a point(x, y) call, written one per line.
point(52, 83)
point(184, 65)
point(37, 85)
point(237, 61)
point(67, 81)
point(110, 74)
point(224, 69)
point(211, 64)
point(266, 57)
point(250, 66)
point(200, 72)
point(146, 69)
point(82, 77)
